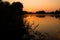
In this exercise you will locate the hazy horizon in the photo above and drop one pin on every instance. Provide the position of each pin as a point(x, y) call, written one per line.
point(36, 5)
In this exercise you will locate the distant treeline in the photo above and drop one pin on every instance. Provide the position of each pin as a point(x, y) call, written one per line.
point(43, 12)
point(52, 12)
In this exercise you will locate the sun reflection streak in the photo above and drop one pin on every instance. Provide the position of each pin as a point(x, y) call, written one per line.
point(29, 19)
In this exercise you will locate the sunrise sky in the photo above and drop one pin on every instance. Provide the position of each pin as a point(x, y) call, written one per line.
point(36, 5)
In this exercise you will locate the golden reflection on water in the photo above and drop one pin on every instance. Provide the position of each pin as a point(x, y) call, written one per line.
point(46, 24)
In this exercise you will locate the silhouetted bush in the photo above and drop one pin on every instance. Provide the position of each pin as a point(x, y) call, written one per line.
point(12, 20)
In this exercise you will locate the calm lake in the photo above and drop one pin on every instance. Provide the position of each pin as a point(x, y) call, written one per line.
point(49, 23)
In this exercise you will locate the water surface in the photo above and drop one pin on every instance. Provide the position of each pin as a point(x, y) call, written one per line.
point(44, 22)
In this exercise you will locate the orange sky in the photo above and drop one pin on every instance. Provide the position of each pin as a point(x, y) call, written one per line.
point(35, 5)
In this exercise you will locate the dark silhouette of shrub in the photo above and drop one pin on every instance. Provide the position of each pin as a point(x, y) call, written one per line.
point(12, 20)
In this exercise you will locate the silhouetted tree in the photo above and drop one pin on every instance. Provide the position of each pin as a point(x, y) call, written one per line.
point(4, 9)
point(17, 19)
point(12, 20)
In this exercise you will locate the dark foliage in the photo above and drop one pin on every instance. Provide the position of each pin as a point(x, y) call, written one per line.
point(11, 24)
